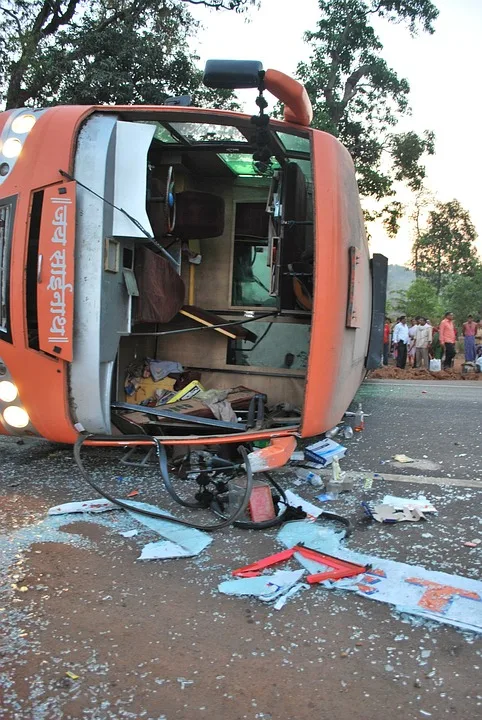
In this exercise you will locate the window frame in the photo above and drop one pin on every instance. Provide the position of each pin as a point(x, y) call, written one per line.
point(10, 203)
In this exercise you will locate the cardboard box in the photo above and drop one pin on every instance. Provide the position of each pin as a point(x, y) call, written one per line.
point(146, 389)
point(187, 392)
point(324, 451)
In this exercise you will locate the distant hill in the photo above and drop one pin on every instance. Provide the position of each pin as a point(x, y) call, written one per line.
point(399, 278)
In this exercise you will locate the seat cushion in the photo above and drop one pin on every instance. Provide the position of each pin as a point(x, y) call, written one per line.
point(199, 215)
point(161, 290)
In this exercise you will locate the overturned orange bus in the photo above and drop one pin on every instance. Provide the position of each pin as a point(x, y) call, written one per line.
point(184, 273)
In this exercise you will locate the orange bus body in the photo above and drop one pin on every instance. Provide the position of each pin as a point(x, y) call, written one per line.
point(336, 360)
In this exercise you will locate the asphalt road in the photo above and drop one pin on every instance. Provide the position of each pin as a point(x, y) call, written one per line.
point(156, 640)
point(440, 423)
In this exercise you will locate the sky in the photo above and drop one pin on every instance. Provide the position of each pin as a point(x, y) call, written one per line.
point(443, 71)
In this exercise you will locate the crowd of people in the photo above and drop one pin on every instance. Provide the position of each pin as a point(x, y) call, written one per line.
point(420, 342)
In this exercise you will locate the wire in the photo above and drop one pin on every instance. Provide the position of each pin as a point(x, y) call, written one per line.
point(165, 474)
point(259, 339)
point(232, 323)
point(124, 212)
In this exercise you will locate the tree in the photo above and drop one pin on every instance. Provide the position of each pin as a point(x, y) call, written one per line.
point(358, 98)
point(422, 300)
point(396, 303)
point(419, 299)
point(446, 248)
point(463, 296)
point(75, 51)
point(423, 203)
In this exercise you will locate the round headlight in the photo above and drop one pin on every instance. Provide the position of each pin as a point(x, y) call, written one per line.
point(12, 147)
point(23, 124)
point(15, 416)
point(8, 391)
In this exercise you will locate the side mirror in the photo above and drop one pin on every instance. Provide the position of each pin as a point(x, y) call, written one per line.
point(233, 74)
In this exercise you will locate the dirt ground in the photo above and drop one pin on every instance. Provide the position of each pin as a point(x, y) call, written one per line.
point(157, 641)
point(393, 373)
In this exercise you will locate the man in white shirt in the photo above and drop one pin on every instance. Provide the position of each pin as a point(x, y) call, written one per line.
point(400, 339)
point(423, 340)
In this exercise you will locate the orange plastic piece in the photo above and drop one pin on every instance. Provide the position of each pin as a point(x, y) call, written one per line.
point(255, 568)
point(293, 94)
point(275, 455)
point(436, 597)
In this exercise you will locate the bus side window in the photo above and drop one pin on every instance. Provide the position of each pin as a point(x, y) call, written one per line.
point(7, 212)
point(32, 264)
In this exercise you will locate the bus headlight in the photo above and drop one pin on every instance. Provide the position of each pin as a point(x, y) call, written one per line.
point(16, 416)
point(8, 391)
point(23, 123)
point(12, 148)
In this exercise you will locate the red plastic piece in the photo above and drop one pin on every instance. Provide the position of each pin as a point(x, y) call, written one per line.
point(261, 505)
point(339, 568)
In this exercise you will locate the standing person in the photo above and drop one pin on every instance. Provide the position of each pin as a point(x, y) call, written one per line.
point(400, 340)
point(411, 343)
point(423, 340)
point(478, 339)
point(469, 331)
point(386, 340)
point(436, 350)
point(447, 337)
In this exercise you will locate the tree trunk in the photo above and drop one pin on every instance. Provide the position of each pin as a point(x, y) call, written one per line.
point(16, 97)
point(439, 271)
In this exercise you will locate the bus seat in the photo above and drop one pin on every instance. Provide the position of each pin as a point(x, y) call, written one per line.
point(199, 215)
point(161, 289)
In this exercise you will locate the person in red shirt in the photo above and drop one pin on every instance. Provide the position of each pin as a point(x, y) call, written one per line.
point(386, 340)
point(447, 338)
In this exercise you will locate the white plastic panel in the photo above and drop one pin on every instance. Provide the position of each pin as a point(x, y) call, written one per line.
point(132, 142)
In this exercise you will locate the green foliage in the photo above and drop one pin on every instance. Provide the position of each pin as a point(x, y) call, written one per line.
point(396, 303)
point(419, 299)
point(463, 296)
point(358, 98)
point(104, 51)
point(422, 299)
point(447, 247)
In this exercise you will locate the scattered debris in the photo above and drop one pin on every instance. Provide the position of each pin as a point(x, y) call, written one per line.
point(163, 550)
point(87, 506)
point(310, 477)
point(325, 451)
point(265, 587)
point(338, 568)
point(414, 590)
point(129, 533)
point(384, 513)
point(183, 541)
point(189, 541)
point(281, 602)
point(421, 503)
point(403, 458)
point(72, 675)
point(296, 501)
point(473, 543)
